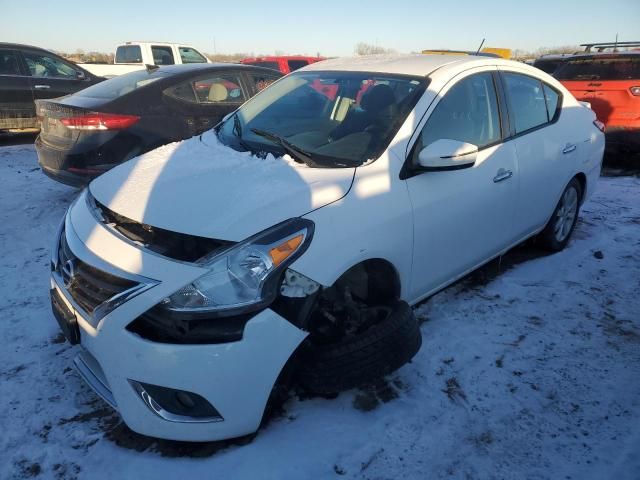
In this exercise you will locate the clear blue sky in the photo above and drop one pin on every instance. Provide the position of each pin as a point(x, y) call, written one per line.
point(325, 26)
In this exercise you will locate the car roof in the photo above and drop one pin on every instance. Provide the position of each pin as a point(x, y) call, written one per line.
point(192, 67)
point(23, 45)
point(162, 44)
point(415, 64)
point(275, 58)
point(625, 53)
point(555, 56)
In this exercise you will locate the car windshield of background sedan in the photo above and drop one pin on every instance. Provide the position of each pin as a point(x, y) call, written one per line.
point(116, 87)
point(324, 119)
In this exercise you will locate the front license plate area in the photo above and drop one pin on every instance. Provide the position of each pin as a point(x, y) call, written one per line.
point(65, 317)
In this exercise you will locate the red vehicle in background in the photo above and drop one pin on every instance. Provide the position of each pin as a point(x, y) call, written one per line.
point(609, 79)
point(284, 64)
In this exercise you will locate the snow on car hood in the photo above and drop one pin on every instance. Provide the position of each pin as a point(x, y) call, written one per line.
point(201, 187)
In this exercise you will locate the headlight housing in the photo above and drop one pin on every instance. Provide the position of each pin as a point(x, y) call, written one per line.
point(246, 276)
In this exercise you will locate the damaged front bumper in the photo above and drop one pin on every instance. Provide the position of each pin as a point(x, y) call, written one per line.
point(190, 392)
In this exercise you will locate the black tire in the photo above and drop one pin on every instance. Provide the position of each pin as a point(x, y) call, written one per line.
point(548, 237)
point(383, 348)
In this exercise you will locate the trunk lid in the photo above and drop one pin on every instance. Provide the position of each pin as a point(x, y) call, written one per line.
point(52, 131)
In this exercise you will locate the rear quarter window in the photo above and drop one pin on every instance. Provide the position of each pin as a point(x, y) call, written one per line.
point(600, 68)
point(554, 101)
point(128, 54)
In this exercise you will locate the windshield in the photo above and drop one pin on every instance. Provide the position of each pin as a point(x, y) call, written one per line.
point(619, 67)
point(324, 119)
point(116, 87)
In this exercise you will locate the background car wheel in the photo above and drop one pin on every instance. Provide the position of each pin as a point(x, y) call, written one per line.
point(557, 233)
point(364, 357)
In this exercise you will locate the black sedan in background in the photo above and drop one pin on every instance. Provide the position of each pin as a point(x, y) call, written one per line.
point(87, 133)
point(31, 73)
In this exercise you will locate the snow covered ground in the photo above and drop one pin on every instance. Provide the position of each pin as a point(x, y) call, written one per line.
point(530, 369)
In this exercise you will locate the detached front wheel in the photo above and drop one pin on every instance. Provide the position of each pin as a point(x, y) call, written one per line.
point(388, 337)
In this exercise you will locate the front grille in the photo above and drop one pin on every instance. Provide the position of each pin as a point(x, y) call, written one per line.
point(87, 285)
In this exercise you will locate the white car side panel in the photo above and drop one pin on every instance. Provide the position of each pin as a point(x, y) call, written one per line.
point(346, 233)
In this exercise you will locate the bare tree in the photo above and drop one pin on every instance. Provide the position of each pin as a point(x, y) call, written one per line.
point(363, 48)
point(227, 57)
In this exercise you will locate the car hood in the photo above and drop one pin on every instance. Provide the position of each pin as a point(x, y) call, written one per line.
point(200, 187)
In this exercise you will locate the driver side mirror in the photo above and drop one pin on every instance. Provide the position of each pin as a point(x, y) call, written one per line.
point(446, 154)
point(80, 75)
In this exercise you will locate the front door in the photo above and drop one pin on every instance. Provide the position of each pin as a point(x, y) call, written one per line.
point(462, 218)
point(52, 77)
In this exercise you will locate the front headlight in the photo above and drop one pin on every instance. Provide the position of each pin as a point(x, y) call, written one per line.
point(247, 275)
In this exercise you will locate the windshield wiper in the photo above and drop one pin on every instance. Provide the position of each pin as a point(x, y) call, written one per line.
point(299, 155)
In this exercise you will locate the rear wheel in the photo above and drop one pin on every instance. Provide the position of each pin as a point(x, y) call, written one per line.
point(557, 232)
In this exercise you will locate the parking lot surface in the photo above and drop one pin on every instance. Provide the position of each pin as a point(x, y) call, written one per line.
point(528, 370)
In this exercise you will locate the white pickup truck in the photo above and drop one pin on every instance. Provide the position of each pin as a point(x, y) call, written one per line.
point(132, 56)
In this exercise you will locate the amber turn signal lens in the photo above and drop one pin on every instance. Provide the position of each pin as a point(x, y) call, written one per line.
point(283, 251)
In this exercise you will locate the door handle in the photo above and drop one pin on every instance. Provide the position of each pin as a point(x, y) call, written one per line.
point(502, 175)
point(42, 87)
point(569, 148)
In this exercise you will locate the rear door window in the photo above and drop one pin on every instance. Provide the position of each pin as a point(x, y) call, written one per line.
point(9, 63)
point(605, 67)
point(213, 89)
point(43, 65)
point(128, 54)
point(162, 55)
point(528, 106)
point(296, 64)
point(190, 55)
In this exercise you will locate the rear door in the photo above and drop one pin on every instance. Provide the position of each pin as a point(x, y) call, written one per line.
point(606, 81)
point(201, 102)
point(52, 76)
point(16, 100)
point(547, 143)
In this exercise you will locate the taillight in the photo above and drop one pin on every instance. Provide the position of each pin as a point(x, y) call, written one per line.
point(599, 125)
point(100, 121)
point(635, 91)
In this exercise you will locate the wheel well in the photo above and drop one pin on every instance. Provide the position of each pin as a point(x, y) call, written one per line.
point(374, 281)
point(582, 180)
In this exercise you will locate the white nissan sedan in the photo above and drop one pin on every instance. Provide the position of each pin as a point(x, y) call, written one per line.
point(290, 242)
